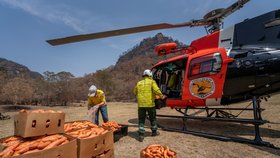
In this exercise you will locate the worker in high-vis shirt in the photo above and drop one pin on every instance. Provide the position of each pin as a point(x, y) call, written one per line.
point(96, 100)
point(146, 90)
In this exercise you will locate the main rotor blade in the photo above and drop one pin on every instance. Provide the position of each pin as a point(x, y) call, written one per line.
point(234, 7)
point(79, 38)
point(227, 11)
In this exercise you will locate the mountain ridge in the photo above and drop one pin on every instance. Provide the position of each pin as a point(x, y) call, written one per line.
point(13, 69)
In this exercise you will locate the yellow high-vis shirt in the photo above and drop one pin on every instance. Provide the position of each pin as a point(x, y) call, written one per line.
point(97, 99)
point(145, 91)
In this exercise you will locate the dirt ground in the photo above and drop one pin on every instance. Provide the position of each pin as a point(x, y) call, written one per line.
point(186, 145)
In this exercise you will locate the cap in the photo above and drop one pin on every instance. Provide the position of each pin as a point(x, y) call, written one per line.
point(92, 91)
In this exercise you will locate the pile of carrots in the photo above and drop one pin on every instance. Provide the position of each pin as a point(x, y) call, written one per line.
point(19, 146)
point(158, 151)
point(39, 111)
point(112, 125)
point(88, 132)
point(78, 125)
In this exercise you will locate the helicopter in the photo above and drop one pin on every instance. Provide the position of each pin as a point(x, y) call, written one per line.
point(226, 66)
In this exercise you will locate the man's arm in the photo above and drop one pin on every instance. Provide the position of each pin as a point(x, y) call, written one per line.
point(157, 91)
point(101, 104)
point(89, 103)
point(135, 90)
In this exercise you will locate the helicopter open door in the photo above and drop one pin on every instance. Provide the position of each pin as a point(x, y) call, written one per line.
point(169, 75)
point(204, 82)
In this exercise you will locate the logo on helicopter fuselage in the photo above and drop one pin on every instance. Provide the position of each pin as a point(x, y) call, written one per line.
point(202, 87)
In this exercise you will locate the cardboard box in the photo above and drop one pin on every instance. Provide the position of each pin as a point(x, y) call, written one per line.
point(106, 154)
point(37, 124)
point(68, 150)
point(92, 147)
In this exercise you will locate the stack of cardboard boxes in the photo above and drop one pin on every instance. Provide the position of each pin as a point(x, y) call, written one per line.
point(38, 124)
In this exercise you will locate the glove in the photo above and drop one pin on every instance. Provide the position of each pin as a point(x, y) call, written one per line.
point(163, 97)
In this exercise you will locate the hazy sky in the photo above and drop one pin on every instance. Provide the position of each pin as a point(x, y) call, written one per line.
point(25, 25)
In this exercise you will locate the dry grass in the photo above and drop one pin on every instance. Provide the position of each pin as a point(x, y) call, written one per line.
point(185, 145)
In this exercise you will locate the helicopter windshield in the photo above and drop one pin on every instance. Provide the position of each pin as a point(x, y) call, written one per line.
point(169, 77)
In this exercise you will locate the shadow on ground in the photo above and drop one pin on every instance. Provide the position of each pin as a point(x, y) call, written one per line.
point(12, 108)
point(227, 129)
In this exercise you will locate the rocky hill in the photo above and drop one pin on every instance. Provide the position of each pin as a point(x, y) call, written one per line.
point(12, 69)
point(146, 47)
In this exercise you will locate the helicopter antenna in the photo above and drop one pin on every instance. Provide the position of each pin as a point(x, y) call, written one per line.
point(212, 21)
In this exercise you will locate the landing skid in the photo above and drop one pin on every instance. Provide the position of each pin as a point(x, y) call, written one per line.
point(218, 114)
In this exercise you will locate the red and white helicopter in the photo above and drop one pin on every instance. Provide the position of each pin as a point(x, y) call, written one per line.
point(226, 66)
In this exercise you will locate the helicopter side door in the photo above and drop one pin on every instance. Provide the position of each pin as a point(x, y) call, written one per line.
point(205, 77)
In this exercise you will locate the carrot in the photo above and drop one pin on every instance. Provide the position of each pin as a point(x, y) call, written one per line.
point(105, 131)
point(56, 143)
point(22, 145)
point(9, 153)
point(65, 142)
point(13, 138)
point(32, 151)
point(42, 145)
point(23, 110)
point(51, 138)
point(23, 150)
point(170, 153)
point(34, 144)
point(99, 131)
point(16, 154)
point(10, 143)
point(74, 133)
point(92, 135)
point(154, 145)
point(50, 111)
point(85, 135)
point(9, 149)
point(148, 155)
point(165, 154)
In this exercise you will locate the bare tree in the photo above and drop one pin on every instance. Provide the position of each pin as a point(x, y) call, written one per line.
point(18, 90)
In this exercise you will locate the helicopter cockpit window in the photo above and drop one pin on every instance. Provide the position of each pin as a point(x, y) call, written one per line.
point(206, 65)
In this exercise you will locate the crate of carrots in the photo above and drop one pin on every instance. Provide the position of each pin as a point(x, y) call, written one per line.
point(51, 146)
point(93, 141)
point(118, 129)
point(156, 150)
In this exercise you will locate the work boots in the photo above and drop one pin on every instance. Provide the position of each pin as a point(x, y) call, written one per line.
point(155, 133)
point(141, 139)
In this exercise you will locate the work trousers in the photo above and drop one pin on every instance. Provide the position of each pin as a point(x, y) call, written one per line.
point(104, 113)
point(142, 116)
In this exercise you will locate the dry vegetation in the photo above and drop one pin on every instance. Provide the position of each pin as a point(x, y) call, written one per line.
point(185, 145)
point(19, 86)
